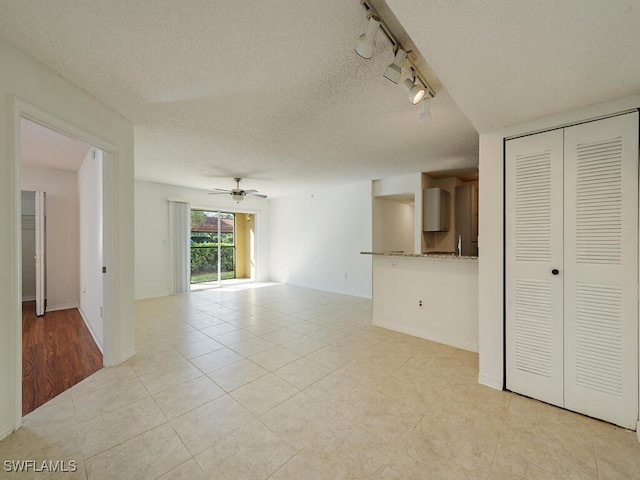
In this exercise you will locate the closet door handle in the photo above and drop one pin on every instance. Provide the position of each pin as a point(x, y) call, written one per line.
point(555, 271)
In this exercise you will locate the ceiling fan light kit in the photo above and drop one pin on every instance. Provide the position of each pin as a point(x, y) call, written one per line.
point(417, 87)
point(237, 194)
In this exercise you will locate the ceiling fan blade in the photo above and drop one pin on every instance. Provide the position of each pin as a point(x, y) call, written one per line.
point(237, 191)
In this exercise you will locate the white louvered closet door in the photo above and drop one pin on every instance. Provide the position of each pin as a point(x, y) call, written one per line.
point(572, 268)
point(534, 296)
point(601, 269)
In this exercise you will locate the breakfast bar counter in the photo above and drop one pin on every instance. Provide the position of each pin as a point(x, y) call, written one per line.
point(430, 295)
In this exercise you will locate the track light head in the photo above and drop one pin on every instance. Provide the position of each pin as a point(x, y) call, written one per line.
point(416, 86)
point(426, 110)
point(365, 44)
point(416, 92)
point(394, 70)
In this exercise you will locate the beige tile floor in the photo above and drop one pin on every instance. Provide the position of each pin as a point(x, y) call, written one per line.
point(283, 382)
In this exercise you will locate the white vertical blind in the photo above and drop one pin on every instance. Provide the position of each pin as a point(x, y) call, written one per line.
point(179, 233)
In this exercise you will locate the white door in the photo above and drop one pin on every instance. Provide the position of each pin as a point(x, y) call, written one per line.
point(572, 268)
point(534, 249)
point(601, 269)
point(41, 283)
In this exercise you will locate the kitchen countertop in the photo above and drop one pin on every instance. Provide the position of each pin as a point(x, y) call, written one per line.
point(434, 256)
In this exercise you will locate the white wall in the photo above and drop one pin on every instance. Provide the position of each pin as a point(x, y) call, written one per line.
point(448, 289)
point(491, 230)
point(393, 226)
point(62, 233)
point(317, 237)
point(410, 185)
point(91, 255)
point(35, 85)
point(153, 264)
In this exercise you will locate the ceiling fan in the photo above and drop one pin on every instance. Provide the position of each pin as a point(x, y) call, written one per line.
point(237, 193)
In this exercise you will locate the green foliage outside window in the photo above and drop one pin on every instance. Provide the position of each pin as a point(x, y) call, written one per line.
point(197, 218)
point(204, 258)
point(204, 248)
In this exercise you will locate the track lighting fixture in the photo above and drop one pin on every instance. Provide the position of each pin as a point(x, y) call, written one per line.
point(416, 86)
point(394, 70)
point(426, 110)
point(365, 45)
point(415, 91)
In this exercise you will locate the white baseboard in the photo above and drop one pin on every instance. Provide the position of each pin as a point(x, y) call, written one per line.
point(6, 432)
point(128, 354)
point(28, 298)
point(95, 339)
point(149, 295)
point(490, 381)
point(62, 306)
point(638, 430)
point(434, 337)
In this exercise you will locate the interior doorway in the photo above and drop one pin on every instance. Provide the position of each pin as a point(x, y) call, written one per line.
point(62, 291)
point(222, 248)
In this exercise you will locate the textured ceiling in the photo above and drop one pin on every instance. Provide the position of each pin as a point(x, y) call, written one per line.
point(41, 147)
point(271, 91)
point(508, 61)
point(274, 91)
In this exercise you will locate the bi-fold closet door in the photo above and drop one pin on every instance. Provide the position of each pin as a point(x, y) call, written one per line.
point(571, 266)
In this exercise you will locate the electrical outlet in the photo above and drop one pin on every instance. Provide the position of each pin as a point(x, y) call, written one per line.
point(420, 304)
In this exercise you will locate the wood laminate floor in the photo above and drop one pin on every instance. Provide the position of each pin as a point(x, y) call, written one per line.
point(58, 351)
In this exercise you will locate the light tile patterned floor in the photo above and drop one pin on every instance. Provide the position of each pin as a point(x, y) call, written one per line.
point(283, 382)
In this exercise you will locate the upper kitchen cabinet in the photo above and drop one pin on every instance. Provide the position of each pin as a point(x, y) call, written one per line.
point(435, 210)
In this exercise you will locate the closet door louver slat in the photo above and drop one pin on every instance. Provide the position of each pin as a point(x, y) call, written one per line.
point(599, 223)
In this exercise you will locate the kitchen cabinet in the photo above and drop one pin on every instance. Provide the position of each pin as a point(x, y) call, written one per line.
point(466, 202)
point(435, 210)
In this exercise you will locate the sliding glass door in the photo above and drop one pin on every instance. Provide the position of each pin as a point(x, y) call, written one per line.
point(213, 246)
